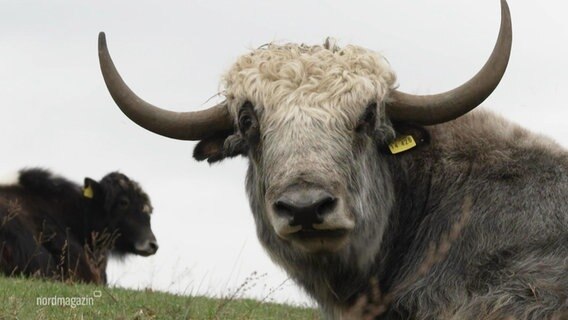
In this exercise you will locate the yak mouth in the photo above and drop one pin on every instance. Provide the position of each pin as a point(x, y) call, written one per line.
point(144, 253)
point(312, 240)
point(311, 233)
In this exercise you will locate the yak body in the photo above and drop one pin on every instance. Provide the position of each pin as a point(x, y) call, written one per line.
point(51, 227)
point(501, 188)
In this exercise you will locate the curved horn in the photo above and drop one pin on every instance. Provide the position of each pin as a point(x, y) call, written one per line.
point(439, 108)
point(178, 125)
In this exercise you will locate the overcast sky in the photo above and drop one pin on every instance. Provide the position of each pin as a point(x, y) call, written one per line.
point(56, 112)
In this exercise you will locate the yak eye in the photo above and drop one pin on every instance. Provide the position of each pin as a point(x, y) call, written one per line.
point(245, 121)
point(124, 202)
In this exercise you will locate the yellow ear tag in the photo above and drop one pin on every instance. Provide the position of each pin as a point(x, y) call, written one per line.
point(402, 144)
point(88, 192)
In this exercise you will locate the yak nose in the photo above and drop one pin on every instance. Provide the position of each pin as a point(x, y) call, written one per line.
point(305, 206)
point(147, 247)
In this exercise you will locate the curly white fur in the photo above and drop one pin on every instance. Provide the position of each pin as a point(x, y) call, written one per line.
point(319, 79)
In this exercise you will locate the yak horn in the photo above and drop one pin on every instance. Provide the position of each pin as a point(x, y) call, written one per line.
point(177, 125)
point(443, 107)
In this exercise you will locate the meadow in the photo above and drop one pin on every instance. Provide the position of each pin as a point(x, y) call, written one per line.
point(22, 298)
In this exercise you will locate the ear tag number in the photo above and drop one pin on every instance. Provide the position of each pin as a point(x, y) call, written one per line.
point(402, 144)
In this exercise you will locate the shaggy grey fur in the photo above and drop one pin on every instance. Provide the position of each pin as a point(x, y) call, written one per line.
point(510, 258)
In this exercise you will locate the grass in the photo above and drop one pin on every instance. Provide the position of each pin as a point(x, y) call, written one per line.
point(22, 298)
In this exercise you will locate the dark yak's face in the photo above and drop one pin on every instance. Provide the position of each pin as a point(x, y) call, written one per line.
point(127, 213)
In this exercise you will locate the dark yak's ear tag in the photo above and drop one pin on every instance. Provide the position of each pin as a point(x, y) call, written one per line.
point(90, 188)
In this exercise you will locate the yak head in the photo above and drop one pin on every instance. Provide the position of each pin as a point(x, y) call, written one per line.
point(313, 121)
point(125, 211)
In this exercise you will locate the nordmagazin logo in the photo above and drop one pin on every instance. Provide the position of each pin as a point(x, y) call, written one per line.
point(72, 302)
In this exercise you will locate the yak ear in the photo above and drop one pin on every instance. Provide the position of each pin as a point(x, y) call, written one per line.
point(92, 189)
point(212, 148)
point(219, 147)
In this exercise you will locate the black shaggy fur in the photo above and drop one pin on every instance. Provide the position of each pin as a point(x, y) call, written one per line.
point(50, 228)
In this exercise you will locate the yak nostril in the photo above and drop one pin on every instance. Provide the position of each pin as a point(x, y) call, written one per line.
point(153, 246)
point(325, 206)
point(284, 209)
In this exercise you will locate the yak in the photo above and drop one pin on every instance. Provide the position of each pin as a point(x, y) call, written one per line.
point(51, 227)
point(379, 203)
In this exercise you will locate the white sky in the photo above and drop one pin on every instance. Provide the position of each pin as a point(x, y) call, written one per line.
point(57, 113)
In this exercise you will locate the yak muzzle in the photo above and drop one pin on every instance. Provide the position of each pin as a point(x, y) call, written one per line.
point(311, 218)
point(305, 207)
point(146, 247)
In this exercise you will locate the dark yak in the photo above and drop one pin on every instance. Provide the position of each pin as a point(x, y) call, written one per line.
point(465, 217)
point(51, 227)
